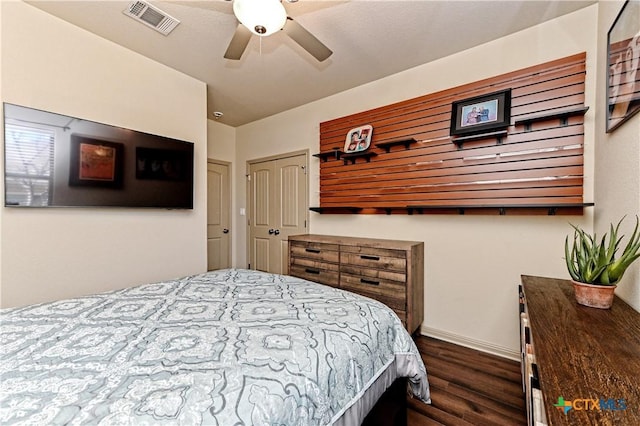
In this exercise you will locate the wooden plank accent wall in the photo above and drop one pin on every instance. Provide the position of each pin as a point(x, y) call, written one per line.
point(538, 162)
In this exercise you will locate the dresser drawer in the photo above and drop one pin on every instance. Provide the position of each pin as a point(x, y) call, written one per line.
point(374, 258)
point(391, 293)
point(315, 274)
point(400, 278)
point(313, 250)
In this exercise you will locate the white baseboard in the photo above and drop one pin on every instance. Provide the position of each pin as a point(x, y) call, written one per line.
point(470, 343)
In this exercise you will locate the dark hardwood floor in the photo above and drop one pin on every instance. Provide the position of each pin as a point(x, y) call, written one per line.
point(468, 387)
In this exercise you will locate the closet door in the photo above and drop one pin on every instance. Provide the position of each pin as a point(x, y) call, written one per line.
point(262, 215)
point(292, 205)
point(277, 208)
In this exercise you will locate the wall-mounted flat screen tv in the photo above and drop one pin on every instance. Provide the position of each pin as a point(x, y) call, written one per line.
point(54, 160)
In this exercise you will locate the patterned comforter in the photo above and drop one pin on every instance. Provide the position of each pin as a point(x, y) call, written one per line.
point(229, 347)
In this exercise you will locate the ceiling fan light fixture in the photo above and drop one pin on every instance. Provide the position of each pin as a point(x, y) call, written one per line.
point(261, 17)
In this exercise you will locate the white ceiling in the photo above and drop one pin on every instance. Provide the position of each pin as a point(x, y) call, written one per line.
point(370, 39)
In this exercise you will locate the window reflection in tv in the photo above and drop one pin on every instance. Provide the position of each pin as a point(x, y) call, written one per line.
point(54, 160)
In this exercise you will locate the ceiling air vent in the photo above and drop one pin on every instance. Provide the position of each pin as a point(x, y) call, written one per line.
point(151, 16)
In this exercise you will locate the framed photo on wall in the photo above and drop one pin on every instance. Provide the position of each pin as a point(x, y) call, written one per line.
point(94, 162)
point(481, 113)
point(358, 139)
point(161, 164)
point(623, 58)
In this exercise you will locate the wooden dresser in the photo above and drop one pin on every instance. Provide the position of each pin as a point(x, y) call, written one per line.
point(390, 271)
point(589, 357)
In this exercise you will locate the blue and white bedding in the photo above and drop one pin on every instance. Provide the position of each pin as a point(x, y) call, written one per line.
point(229, 347)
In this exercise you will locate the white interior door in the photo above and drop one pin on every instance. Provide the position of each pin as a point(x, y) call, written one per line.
point(261, 216)
point(277, 208)
point(218, 214)
point(292, 204)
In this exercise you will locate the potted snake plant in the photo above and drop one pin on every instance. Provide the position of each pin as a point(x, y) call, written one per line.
point(594, 264)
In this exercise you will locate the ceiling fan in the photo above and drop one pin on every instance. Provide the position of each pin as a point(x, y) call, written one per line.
point(265, 17)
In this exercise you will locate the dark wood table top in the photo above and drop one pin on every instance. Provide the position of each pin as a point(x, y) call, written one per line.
point(584, 354)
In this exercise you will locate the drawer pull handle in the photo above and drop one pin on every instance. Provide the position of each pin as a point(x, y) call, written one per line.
point(309, 250)
point(370, 282)
point(369, 257)
point(535, 380)
point(312, 271)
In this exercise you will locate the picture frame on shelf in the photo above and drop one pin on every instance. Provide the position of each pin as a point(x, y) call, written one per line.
point(623, 61)
point(358, 139)
point(95, 162)
point(480, 114)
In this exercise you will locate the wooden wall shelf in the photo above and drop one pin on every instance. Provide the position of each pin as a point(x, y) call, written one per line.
point(389, 144)
point(341, 209)
point(563, 116)
point(551, 209)
point(461, 139)
point(333, 153)
point(547, 209)
point(355, 155)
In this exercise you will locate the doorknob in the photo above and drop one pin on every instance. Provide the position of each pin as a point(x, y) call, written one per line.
point(271, 231)
point(225, 231)
point(277, 231)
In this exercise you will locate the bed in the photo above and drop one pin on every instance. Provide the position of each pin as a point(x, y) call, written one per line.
point(228, 347)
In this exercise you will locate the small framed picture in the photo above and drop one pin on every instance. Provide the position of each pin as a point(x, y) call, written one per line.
point(161, 164)
point(95, 162)
point(623, 56)
point(481, 113)
point(358, 139)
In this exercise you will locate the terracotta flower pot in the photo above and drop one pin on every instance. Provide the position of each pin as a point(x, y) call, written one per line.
point(594, 296)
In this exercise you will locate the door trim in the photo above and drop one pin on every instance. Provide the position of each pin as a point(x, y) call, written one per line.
point(247, 173)
point(278, 157)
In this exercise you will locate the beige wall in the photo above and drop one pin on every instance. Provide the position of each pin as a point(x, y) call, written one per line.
point(472, 263)
point(50, 254)
point(221, 146)
point(617, 163)
point(221, 141)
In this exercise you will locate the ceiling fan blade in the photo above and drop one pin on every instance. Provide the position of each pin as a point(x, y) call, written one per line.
point(306, 40)
point(238, 43)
